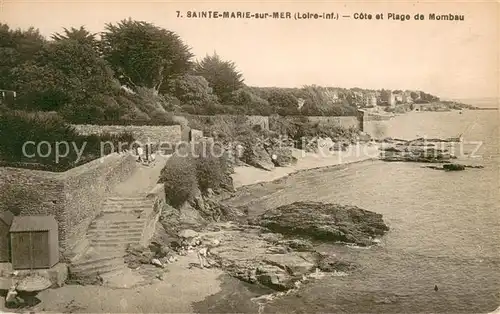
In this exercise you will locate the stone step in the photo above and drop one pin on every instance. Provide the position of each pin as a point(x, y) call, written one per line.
point(128, 205)
point(101, 270)
point(95, 265)
point(116, 224)
point(117, 217)
point(135, 210)
point(103, 245)
point(130, 239)
point(114, 233)
point(127, 199)
point(116, 229)
point(96, 259)
point(119, 222)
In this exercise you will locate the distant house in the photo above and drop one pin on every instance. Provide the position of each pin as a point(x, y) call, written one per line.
point(333, 95)
point(407, 98)
point(398, 98)
point(392, 100)
point(371, 100)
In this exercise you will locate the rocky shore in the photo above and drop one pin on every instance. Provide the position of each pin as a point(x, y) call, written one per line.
point(277, 249)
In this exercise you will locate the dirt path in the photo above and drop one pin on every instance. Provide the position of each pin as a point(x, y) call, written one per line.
point(142, 180)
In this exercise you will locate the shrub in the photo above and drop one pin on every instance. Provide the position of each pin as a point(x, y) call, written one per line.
point(197, 167)
point(212, 167)
point(179, 179)
point(19, 127)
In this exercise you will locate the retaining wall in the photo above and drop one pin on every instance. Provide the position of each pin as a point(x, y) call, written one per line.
point(142, 133)
point(74, 197)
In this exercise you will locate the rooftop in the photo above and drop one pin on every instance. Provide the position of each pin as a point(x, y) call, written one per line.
point(33, 223)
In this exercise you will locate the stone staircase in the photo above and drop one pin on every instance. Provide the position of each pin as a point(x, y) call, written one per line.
point(120, 224)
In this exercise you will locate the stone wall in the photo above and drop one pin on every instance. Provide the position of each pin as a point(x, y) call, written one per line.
point(86, 187)
point(74, 197)
point(262, 121)
point(157, 195)
point(142, 133)
point(344, 121)
point(32, 192)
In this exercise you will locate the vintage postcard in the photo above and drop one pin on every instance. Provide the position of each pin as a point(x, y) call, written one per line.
point(249, 156)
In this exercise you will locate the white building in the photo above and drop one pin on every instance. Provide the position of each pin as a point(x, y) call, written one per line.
point(392, 100)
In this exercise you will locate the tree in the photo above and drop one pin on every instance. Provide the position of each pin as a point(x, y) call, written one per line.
point(222, 76)
point(385, 95)
point(192, 90)
point(81, 35)
point(143, 54)
point(249, 103)
point(279, 98)
point(16, 47)
point(64, 73)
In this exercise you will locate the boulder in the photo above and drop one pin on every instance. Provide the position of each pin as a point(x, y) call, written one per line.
point(188, 234)
point(454, 167)
point(282, 156)
point(294, 264)
point(326, 222)
point(272, 237)
point(364, 137)
point(274, 277)
point(137, 255)
point(257, 156)
point(159, 250)
point(300, 245)
point(278, 249)
point(330, 263)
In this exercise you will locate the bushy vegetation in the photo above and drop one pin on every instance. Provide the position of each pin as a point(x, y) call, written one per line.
point(179, 179)
point(224, 128)
point(194, 168)
point(298, 127)
point(137, 71)
point(19, 127)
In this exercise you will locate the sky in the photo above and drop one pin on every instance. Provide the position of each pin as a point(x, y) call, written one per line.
point(451, 59)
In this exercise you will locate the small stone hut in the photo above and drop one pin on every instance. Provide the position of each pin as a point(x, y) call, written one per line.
point(34, 242)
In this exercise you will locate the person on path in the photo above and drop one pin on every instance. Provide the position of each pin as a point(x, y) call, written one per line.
point(140, 152)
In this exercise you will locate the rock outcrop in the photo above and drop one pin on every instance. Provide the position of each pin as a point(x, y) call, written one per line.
point(254, 255)
point(324, 222)
point(255, 155)
point(455, 167)
point(419, 150)
point(282, 156)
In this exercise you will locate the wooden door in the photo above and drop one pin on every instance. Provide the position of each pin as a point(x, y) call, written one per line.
point(4, 245)
point(40, 249)
point(21, 252)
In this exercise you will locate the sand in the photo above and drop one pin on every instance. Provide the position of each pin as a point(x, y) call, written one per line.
point(245, 175)
point(180, 288)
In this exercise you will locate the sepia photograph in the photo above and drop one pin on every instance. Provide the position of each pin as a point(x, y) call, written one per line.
point(249, 157)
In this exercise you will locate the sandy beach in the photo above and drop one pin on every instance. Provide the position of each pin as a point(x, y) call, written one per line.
point(180, 288)
point(246, 175)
